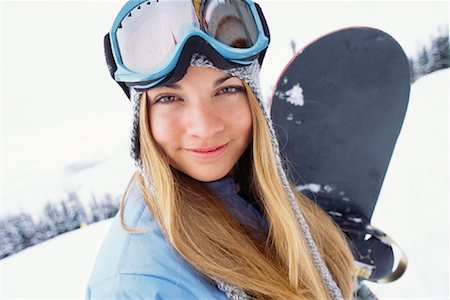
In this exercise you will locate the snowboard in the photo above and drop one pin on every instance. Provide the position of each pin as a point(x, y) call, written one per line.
point(337, 108)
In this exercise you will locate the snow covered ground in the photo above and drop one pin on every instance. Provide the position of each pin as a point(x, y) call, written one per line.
point(413, 208)
point(56, 269)
point(59, 101)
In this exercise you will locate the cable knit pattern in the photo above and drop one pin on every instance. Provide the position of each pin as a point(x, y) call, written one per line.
point(231, 291)
point(135, 98)
point(249, 74)
point(135, 147)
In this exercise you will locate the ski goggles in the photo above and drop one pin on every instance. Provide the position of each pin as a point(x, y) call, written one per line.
point(148, 38)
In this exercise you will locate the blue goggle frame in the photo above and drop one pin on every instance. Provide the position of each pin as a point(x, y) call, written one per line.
point(241, 56)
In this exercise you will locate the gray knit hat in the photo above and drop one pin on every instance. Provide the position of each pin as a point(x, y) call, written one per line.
point(249, 74)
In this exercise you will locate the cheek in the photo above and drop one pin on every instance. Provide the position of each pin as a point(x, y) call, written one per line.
point(248, 120)
point(163, 129)
point(242, 119)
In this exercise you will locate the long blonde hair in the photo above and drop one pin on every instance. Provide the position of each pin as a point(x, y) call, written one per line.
point(267, 265)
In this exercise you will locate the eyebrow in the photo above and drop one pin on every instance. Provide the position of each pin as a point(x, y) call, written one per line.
point(176, 86)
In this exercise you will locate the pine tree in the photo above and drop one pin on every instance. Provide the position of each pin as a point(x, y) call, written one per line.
point(423, 62)
point(412, 70)
point(434, 58)
point(74, 212)
point(52, 222)
point(95, 217)
point(13, 239)
point(443, 50)
point(111, 206)
point(7, 246)
point(26, 228)
point(20, 231)
point(293, 47)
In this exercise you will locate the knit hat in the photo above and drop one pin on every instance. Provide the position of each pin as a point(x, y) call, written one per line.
point(249, 74)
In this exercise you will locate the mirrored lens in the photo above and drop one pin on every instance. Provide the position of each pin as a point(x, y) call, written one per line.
point(150, 32)
point(230, 22)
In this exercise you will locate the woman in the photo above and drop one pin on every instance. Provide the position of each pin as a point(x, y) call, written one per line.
point(209, 214)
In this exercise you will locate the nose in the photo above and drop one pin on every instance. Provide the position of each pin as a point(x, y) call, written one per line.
point(205, 120)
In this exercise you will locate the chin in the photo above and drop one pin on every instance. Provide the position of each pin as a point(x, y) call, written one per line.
point(208, 176)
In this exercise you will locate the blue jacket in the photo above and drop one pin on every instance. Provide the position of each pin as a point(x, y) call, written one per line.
point(144, 265)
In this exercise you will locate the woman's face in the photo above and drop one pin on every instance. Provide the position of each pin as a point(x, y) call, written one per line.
point(202, 123)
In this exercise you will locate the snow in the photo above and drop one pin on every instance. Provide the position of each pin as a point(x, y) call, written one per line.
point(413, 209)
point(413, 206)
point(56, 269)
point(69, 113)
point(62, 104)
point(313, 187)
point(356, 220)
point(295, 95)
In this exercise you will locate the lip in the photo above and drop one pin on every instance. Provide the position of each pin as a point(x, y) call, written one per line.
point(208, 152)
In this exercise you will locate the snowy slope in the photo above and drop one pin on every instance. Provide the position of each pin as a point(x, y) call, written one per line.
point(413, 208)
point(414, 202)
point(56, 269)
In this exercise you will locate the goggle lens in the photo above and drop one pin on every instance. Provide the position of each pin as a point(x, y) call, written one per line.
point(150, 33)
point(230, 22)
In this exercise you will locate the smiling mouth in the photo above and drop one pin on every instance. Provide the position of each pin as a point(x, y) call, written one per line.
point(208, 149)
point(208, 152)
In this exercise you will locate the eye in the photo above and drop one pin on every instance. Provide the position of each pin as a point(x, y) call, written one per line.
point(165, 99)
point(231, 90)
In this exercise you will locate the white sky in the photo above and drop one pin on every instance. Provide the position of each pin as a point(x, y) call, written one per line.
point(59, 105)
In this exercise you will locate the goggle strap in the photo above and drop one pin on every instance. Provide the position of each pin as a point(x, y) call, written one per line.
point(112, 67)
point(265, 28)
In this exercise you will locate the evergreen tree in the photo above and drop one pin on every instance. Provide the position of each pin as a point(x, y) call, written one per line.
point(14, 241)
point(111, 206)
point(104, 209)
point(7, 246)
point(20, 231)
point(434, 58)
point(423, 62)
point(74, 212)
point(52, 222)
point(26, 228)
point(94, 210)
point(293, 47)
point(412, 70)
point(442, 46)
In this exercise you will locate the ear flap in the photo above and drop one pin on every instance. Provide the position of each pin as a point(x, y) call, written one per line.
point(112, 67)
